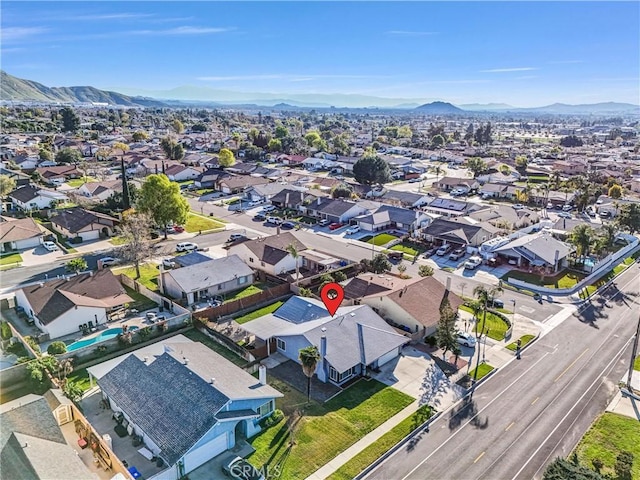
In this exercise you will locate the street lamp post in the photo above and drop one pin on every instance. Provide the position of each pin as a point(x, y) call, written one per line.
point(484, 349)
point(513, 322)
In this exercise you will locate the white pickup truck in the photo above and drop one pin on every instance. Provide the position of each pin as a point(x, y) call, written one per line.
point(473, 263)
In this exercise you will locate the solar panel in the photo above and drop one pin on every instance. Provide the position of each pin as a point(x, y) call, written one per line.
point(300, 310)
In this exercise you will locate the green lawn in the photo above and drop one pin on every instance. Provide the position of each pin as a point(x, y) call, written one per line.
point(561, 280)
point(196, 223)
point(250, 290)
point(117, 241)
point(374, 451)
point(78, 182)
point(636, 364)
point(483, 370)
point(141, 302)
point(10, 258)
point(148, 275)
point(496, 325)
point(406, 249)
point(198, 336)
point(617, 270)
point(328, 429)
point(610, 435)
point(381, 239)
point(81, 378)
point(523, 341)
point(259, 313)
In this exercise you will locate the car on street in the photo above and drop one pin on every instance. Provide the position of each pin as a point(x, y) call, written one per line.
point(497, 303)
point(473, 263)
point(457, 254)
point(234, 237)
point(465, 339)
point(238, 468)
point(442, 251)
point(549, 206)
point(178, 228)
point(335, 226)
point(288, 225)
point(168, 263)
point(51, 246)
point(518, 206)
point(324, 222)
point(274, 220)
point(565, 215)
point(186, 247)
point(108, 261)
point(269, 208)
point(415, 180)
point(260, 217)
point(353, 229)
point(567, 208)
point(171, 229)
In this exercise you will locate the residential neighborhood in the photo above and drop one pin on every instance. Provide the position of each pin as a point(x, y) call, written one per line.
point(163, 273)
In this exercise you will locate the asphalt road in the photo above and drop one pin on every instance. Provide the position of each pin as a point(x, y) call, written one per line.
point(533, 409)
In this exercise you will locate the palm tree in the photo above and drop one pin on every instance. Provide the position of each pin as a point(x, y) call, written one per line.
point(309, 358)
point(607, 237)
point(582, 238)
point(438, 171)
point(293, 251)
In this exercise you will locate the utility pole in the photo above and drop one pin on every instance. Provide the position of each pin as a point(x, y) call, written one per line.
point(634, 352)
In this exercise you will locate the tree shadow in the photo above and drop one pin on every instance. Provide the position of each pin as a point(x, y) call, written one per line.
point(467, 410)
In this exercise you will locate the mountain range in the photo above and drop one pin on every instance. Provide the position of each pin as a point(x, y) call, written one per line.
point(20, 90)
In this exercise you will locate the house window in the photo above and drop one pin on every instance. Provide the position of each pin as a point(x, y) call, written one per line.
point(281, 344)
point(266, 408)
point(251, 259)
point(341, 377)
point(242, 280)
point(220, 285)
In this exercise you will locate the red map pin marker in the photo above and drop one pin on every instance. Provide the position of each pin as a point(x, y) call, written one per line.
point(332, 295)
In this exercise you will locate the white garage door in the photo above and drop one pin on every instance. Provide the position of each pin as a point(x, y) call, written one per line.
point(92, 235)
point(206, 452)
point(387, 357)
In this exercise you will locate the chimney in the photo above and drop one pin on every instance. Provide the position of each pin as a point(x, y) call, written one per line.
point(146, 359)
point(278, 230)
point(41, 284)
point(361, 346)
point(186, 360)
point(449, 283)
point(262, 374)
point(323, 347)
point(212, 381)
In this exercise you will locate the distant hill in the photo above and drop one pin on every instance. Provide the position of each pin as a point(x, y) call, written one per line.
point(591, 108)
point(18, 89)
point(486, 107)
point(439, 108)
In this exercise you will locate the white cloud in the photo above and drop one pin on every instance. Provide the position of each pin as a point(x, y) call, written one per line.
point(15, 34)
point(409, 33)
point(511, 69)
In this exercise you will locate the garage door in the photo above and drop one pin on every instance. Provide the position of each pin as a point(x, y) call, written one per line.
point(92, 235)
point(206, 452)
point(387, 357)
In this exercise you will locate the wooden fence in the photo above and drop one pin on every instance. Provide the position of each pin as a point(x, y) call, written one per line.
point(236, 307)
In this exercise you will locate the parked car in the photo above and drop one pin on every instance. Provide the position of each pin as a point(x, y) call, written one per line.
point(395, 255)
point(442, 251)
point(108, 261)
point(415, 180)
point(567, 208)
point(549, 206)
point(171, 229)
point(168, 263)
point(288, 225)
point(51, 246)
point(473, 263)
point(565, 215)
point(260, 217)
point(335, 226)
point(269, 208)
point(497, 303)
point(457, 254)
point(591, 212)
point(353, 229)
point(518, 206)
point(274, 220)
point(239, 468)
point(234, 237)
point(178, 228)
point(186, 247)
point(324, 222)
point(456, 192)
point(465, 339)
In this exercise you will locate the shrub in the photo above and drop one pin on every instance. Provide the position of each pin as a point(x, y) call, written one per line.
point(125, 338)
point(340, 276)
point(56, 348)
point(18, 350)
point(162, 326)
point(431, 341)
point(144, 331)
point(76, 240)
point(101, 349)
point(33, 343)
point(273, 419)
point(5, 331)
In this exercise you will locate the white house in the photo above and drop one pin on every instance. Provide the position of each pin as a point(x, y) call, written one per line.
point(179, 173)
point(60, 306)
point(19, 234)
point(205, 280)
point(32, 198)
point(188, 404)
point(100, 190)
point(270, 254)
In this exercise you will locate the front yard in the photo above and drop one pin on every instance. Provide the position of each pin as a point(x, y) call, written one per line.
point(379, 240)
point(609, 436)
point(496, 325)
point(565, 279)
point(483, 370)
point(10, 259)
point(408, 249)
point(324, 430)
point(196, 223)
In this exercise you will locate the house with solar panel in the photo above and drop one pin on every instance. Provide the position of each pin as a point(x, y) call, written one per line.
point(355, 339)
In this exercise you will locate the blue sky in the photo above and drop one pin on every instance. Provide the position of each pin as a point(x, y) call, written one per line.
point(521, 53)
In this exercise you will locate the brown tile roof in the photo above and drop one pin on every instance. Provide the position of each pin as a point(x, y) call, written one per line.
point(423, 298)
point(14, 230)
point(273, 249)
point(76, 218)
point(240, 181)
point(51, 299)
point(366, 285)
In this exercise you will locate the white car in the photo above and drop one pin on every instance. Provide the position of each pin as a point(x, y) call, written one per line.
point(518, 206)
point(466, 339)
point(565, 215)
point(168, 263)
point(268, 208)
point(51, 246)
point(274, 220)
point(186, 247)
point(473, 263)
point(352, 230)
point(108, 261)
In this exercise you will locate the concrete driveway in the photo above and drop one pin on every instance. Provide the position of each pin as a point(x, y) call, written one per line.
point(39, 256)
point(417, 375)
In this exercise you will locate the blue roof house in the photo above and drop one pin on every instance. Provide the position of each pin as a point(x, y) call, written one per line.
point(188, 403)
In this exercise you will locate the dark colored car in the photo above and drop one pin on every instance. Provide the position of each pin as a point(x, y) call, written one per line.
point(259, 217)
point(288, 225)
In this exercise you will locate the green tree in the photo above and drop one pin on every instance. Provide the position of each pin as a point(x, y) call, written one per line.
point(177, 126)
point(56, 348)
point(72, 390)
point(45, 154)
point(437, 141)
point(162, 200)
point(477, 166)
point(562, 469)
point(69, 155)
point(446, 329)
point(370, 170)
point(275, 145)
point(624, 466)
point(137, 246)
point(571, 141)
point(615, 191)
point(606, 237)
point(425, 270)
point(309, 358)
point(38, 369)
point(522, 163)
point(379, 264)
point(342, 190)
point(139, 136)
point(293, 251)
point(226, 158)
point(76, 265)
point(70, 121)
point(582, 237)
point(281, 131)
point(172, 149)
point(7, 185)
point(312, 137)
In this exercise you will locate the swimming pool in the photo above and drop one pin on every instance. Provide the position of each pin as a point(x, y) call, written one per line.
point(106, 335)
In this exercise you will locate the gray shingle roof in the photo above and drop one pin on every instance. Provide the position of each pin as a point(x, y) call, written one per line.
point(300, 310)
point(76, 218)
point(273, 249)
point(166, 400)
point(207, 274)
point(25, 194)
